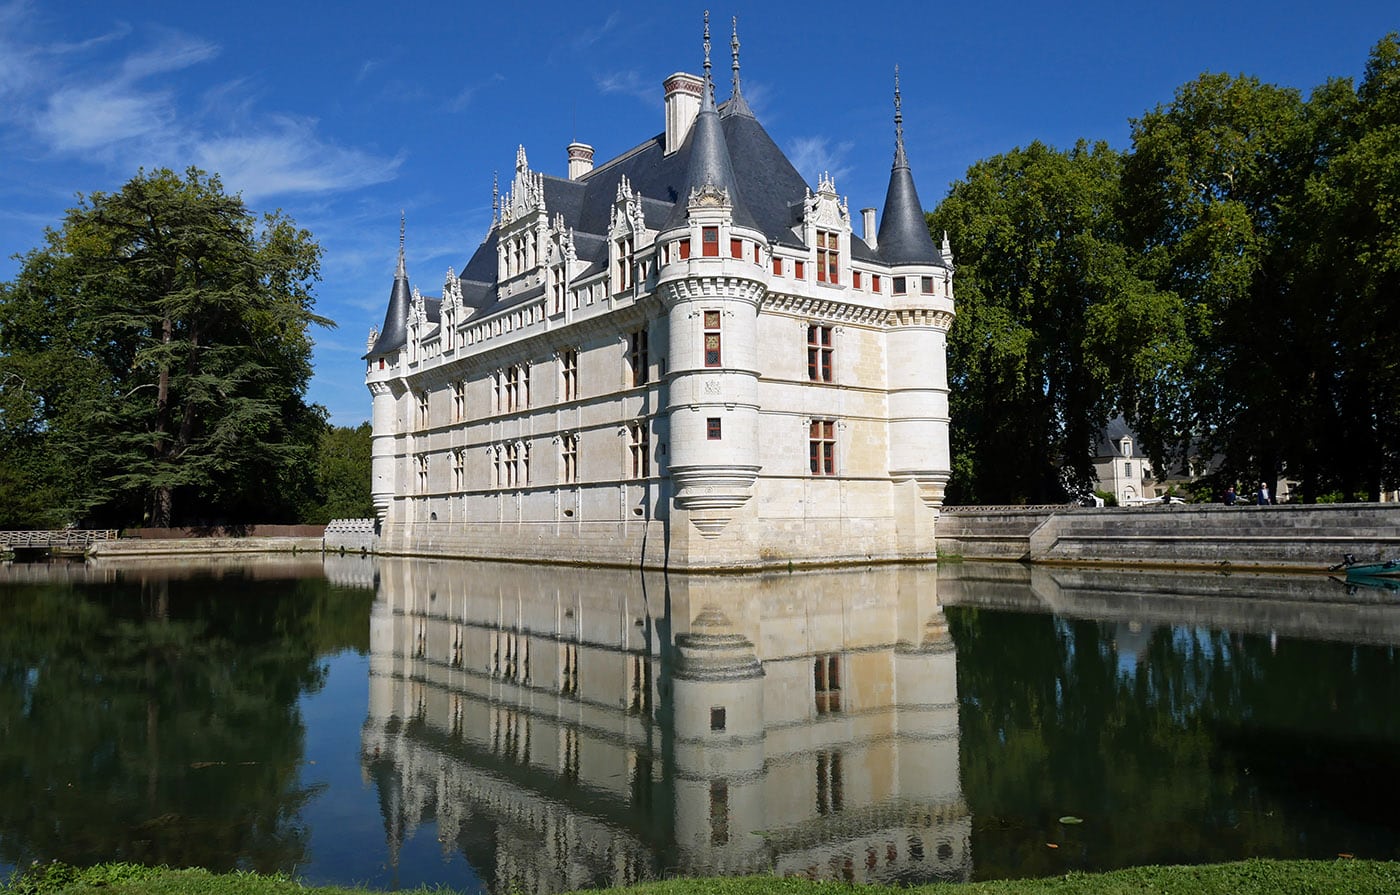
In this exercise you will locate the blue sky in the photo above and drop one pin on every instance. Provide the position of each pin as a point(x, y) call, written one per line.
point(344, 113)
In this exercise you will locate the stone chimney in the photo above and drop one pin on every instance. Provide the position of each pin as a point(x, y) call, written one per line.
point(867, 223)
point(580, 160)
point(683, 95)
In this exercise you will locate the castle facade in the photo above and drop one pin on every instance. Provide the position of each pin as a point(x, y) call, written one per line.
point(685, 357)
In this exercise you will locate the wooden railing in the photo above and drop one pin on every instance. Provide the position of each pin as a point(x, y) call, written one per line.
point(68, 537)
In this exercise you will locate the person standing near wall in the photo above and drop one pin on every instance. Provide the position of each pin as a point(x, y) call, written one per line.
point(1263, 498)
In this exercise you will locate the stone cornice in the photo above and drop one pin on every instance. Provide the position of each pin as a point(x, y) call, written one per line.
point(938, 319)
point(824, 308)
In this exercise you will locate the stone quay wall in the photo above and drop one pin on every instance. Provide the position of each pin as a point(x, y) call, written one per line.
point(1294, 537)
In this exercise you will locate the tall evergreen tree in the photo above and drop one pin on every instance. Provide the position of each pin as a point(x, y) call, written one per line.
point(154, 358)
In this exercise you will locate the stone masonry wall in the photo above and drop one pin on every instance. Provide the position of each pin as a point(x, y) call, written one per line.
point(1206, 535)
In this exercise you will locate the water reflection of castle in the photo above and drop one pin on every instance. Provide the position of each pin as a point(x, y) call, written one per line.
point(569, 728)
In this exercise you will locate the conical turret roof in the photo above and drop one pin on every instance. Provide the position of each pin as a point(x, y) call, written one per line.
point(904, 236)
point(709, 165)
point(394, 333)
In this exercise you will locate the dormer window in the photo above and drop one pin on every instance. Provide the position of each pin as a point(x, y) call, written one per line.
point(1127, 444)
point(625, 261)
point(828, 257)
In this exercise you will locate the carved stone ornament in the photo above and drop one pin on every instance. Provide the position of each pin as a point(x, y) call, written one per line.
point(626, 210)
point(826, 209)
point(451, 291)
point(526, 194)
point(709, 196)
point(373, 337)
point(418, 308)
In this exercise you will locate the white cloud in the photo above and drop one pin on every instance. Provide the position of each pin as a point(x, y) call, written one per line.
point(288, 158)
point(628, 82)
point(134, 110)
point(590, 36)
point(813, 156)
point(174, 52)
point(17, 61)
point(83, 118)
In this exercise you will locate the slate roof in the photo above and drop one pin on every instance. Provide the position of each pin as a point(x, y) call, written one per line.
point(726, 145)
point(394, 333)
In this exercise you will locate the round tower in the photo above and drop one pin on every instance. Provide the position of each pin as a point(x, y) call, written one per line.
point(712, 284)
point(920, 314)
point(387, 389)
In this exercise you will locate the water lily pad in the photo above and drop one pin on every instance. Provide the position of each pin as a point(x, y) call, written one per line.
point(1071, 819)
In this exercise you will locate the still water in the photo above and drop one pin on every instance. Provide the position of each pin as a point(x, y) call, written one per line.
point(507, 727)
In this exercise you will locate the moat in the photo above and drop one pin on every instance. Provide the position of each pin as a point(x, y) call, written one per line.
point(510, 727)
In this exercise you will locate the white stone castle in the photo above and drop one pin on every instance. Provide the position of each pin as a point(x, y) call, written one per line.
point(682, 358)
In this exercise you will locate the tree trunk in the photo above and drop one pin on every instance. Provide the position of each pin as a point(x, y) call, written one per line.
point(162, 499)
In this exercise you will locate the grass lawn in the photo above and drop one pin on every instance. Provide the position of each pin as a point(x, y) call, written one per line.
point(1241, 878)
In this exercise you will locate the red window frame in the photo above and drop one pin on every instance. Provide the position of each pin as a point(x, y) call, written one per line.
point(828, 257)
point(821, 447)
point(709, 242)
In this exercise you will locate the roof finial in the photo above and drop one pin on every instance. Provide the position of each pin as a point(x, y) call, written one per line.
point(709, 84)
point(495, 198)
point(734, 49)
point(899, 156)
point(401, 272)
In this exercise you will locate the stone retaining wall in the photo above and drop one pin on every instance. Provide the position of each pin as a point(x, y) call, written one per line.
point(1199, 535)
point(129, 547)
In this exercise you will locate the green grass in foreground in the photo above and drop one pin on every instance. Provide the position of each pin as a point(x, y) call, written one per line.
point(1242, 878)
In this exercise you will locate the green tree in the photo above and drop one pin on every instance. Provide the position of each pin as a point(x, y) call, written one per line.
point(342, 475)
point(154, 357)
point(1347, 248)
point(1208, 188)
point(1274, 219)
point(1051, 321)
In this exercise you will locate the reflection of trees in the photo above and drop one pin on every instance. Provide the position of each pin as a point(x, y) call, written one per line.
point(1174, 745)
point(156, 720)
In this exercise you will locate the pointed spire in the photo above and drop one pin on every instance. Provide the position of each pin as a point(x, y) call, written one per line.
point(495, 198)
point(708, 167)
point(904, 236)
point(402, 272)
point(709, 83)
point(394, 333)
point(734, 50)
point(736, 105)
point(899, 157)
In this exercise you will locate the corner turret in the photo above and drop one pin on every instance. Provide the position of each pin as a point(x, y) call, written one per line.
point(712, 284)
point(394, 333)
point(904, 237)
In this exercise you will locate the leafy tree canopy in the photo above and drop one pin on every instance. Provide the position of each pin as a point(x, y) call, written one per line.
point(1228, 285)
point(154, 358)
